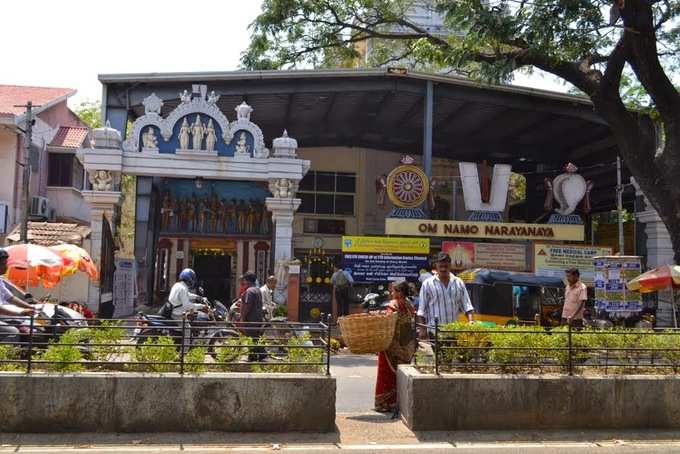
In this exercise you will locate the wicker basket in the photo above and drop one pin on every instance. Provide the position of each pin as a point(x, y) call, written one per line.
point(368, 333)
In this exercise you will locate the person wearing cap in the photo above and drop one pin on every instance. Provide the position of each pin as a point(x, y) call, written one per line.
point(252, 314)
point(443, 297)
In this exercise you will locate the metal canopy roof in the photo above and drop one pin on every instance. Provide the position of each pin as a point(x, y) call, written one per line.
point(384, 110)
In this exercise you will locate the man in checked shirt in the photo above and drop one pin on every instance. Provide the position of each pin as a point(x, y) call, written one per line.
point(443, 296)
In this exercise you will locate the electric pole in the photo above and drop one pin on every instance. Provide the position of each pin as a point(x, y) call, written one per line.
point(28, 140)
point(619, 204)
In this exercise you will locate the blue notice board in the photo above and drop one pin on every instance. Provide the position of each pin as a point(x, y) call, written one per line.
point(384, 267)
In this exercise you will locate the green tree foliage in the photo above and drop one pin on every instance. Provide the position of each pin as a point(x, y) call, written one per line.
point(90, 112)
point(597, 46)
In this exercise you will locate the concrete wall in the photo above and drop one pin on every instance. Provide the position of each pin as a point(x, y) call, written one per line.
point(99, 402)
point(8, 158)
point(68, 202)
point(515, 402)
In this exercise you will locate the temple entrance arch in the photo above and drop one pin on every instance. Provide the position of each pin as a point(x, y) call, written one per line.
point(200, 177)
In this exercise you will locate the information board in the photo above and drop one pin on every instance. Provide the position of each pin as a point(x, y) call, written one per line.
point(611, 275)
point(384, 267)
point(553, 259)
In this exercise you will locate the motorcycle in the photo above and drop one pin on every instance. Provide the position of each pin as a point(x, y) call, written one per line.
point(201, 328)
point(375, 301)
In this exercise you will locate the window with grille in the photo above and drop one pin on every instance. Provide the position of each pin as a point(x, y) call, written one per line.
point(330, 193)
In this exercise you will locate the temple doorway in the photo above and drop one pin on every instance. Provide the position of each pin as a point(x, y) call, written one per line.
point(214, 274)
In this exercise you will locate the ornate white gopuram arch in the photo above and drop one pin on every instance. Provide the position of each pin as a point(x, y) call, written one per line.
point(195, 140)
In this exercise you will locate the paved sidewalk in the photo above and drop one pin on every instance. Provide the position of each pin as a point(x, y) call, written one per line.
point(368, 432)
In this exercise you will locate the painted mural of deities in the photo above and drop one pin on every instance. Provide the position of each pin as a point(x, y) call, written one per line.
point(214, 208)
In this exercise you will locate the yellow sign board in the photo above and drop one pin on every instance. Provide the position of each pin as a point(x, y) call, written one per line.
point(486, 230)
point(385, 245)
point(553, 259)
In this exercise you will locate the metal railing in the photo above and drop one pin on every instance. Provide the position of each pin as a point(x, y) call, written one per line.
point(567, 349)
point(32, 344)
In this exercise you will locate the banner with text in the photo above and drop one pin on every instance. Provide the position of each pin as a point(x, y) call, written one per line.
point(384, 267)
point(385, 245)
point(553, 259)
point(484, 230)
point(501, 256)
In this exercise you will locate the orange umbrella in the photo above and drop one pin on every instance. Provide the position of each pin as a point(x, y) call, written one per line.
point(660, 278)
point(75, 259)
point(31, 265)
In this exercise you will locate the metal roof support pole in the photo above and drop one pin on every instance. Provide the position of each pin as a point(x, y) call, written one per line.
point(427, 128)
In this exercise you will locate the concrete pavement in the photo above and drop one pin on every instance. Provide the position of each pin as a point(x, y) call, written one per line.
point(355, 381)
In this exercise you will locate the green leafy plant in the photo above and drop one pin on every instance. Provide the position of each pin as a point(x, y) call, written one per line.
point(105, 339)
point(308, 359)
point(232, 350)
point(9, 353)
point(62, 357)
point(156, 350)
point(194, 360)
point(665, 348)
point(462, 342)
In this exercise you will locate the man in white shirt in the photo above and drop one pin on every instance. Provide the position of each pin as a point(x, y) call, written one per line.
point(181, 299)
point(443, 296)
point(268, 304)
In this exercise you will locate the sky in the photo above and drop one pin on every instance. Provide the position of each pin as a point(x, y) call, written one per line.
point(72, 41)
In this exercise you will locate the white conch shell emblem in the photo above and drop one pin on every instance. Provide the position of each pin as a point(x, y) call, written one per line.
point(569, 189)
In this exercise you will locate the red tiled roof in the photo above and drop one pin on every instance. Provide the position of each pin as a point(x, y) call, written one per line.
point(69, 137)
point(12, 95)
point(51, 233)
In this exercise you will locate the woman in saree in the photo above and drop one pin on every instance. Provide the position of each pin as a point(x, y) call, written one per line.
point(400, 351)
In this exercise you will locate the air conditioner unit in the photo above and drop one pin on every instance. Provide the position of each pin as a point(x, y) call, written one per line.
point(40, 206)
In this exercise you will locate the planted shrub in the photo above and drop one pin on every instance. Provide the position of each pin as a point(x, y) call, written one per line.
point(232, 350)
point(463, 342)
point(194, 360)
point(62, 357)
point(155, 350)
point(9, 353)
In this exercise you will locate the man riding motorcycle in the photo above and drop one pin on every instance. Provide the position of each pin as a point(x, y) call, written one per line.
point(10, 305)
point(181, 299)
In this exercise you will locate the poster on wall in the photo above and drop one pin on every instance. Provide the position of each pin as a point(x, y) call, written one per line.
point(124, 287)
point(552, 260)
point(381, 259)
point(502, 256)
point(611, 275)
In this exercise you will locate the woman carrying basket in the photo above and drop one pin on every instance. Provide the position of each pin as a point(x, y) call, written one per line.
point(400, 351)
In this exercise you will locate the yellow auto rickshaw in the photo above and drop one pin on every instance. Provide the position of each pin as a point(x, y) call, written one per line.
point(513, 298)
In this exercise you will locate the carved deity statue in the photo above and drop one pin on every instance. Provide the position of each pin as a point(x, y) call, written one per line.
point(211, 137)
point(242, 146)
point(101, 180)
point(149, 140)
point(197, 133)
point(185, 97)
point(184, 135)
point(213, 98)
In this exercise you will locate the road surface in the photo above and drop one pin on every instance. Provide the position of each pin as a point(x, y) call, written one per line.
point(355, 381)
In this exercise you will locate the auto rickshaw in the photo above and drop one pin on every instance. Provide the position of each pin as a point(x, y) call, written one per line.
point(513, 298)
